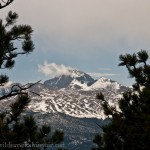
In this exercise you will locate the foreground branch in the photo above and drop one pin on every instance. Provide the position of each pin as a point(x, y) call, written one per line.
point(4, 4)
point(19, 90)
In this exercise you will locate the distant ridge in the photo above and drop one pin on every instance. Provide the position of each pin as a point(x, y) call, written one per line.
point(80, 80)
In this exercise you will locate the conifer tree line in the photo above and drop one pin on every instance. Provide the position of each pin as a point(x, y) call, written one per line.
point(129, 127)
point(13, 128)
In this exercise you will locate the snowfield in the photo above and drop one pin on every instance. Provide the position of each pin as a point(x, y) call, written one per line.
point(73, 95)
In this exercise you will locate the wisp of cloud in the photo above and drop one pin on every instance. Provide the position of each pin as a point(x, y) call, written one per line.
point(53, 69)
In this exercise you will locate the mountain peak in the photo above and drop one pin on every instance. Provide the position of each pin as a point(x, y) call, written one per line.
point(76, 73)
point(75, 79)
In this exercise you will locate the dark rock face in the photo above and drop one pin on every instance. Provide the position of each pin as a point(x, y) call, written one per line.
point(86, 79)
point(59, 82)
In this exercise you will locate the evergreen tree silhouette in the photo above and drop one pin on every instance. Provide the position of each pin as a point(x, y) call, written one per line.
point(15, 129)
point(129, 128)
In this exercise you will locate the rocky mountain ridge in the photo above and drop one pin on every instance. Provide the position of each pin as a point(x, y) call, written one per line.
point(79, 80)
point(73, 94)
point(69, 103)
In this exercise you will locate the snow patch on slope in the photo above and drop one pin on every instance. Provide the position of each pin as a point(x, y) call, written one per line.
point(105, 83)
point(76, 103)
point(75, 83)
point(38, 107)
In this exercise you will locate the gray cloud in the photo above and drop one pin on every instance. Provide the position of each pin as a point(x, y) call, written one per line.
point(88, 24)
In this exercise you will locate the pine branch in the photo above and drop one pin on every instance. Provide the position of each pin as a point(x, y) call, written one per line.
point(20, 90)
point(5, 4)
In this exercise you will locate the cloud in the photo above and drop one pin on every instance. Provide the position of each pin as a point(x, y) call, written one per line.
point(53, 69)
point(98, 75)
point(88, 24)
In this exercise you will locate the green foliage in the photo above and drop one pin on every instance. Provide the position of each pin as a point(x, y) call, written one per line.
point(10, 33)
point(3, 79)
point(57, 137)
point(98, 141)
point(11, 18)
point(130, 126)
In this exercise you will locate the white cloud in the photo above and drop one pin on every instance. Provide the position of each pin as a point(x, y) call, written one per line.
point(53, 69)
point(98, 75)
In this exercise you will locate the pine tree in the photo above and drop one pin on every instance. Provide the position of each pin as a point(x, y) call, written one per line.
point(15, 129)
point(129, 128)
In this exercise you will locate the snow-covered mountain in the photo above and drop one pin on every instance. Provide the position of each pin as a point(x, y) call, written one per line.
point(68, 102)
point(79, 80)
point(107, 84)
point(76, 80)
point(74, 95)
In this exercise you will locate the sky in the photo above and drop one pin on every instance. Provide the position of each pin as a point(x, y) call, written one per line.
point(88, 35)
